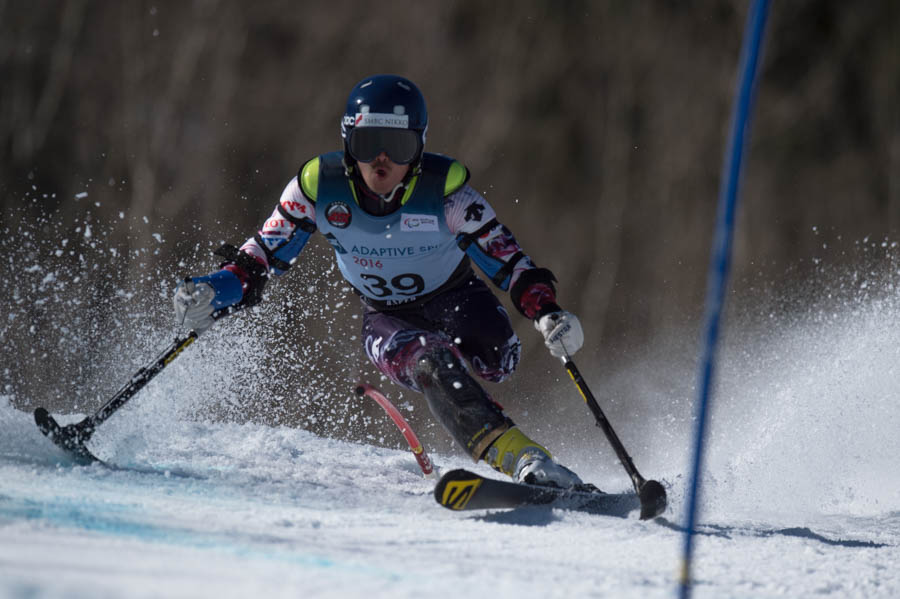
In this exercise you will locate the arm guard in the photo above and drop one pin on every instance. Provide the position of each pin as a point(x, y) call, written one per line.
point(492, 246)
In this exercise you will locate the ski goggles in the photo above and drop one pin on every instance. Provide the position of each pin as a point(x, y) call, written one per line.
point(402, 146)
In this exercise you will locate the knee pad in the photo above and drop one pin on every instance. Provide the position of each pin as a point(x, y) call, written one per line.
point(437, 362)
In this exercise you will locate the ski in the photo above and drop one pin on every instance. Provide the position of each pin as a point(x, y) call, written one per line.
point(464, 490)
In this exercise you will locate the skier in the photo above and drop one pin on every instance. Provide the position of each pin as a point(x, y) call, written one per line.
point(405, 227)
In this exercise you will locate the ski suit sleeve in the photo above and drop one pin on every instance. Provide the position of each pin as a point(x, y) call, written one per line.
point(276, 245)
point(284, 234)
point(492, 246)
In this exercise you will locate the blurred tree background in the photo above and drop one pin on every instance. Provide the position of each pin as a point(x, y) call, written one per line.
point(596, 130)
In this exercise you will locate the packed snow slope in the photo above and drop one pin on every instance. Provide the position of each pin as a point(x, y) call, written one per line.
point(801, 491)
point(801, 497)
point(250, 511)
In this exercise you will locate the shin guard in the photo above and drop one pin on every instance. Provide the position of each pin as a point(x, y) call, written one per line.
point(458, 402)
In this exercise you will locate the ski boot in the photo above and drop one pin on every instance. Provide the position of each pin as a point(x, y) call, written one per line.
point(517, 456)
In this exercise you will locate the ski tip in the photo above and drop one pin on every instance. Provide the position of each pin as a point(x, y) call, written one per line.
point(456, 487)
point(44, 421)
point(70, 438)
point(653, 499)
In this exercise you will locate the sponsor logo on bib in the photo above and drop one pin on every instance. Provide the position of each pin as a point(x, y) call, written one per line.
point(338, 215)
point(415, 223)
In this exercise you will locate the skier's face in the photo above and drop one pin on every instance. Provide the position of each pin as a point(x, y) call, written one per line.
point(382, 175)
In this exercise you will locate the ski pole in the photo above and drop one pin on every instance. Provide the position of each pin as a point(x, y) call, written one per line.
point(651, 493)
point(72, 437)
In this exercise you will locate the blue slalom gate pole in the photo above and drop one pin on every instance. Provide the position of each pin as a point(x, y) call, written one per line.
point(717, 282)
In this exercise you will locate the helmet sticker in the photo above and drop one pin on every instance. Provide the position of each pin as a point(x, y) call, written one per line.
point(381, 119)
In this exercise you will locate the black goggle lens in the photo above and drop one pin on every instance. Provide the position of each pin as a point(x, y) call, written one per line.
point(401, 145)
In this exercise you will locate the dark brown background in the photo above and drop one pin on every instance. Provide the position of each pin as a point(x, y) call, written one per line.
point(595, 129)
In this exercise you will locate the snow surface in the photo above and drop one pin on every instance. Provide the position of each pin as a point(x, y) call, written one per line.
point(802, 499)
point(801, 494)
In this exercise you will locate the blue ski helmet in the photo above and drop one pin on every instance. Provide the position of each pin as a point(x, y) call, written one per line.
point(385, 113)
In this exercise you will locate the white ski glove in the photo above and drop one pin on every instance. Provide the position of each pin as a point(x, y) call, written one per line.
point(562, 333)
point(193, 305)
